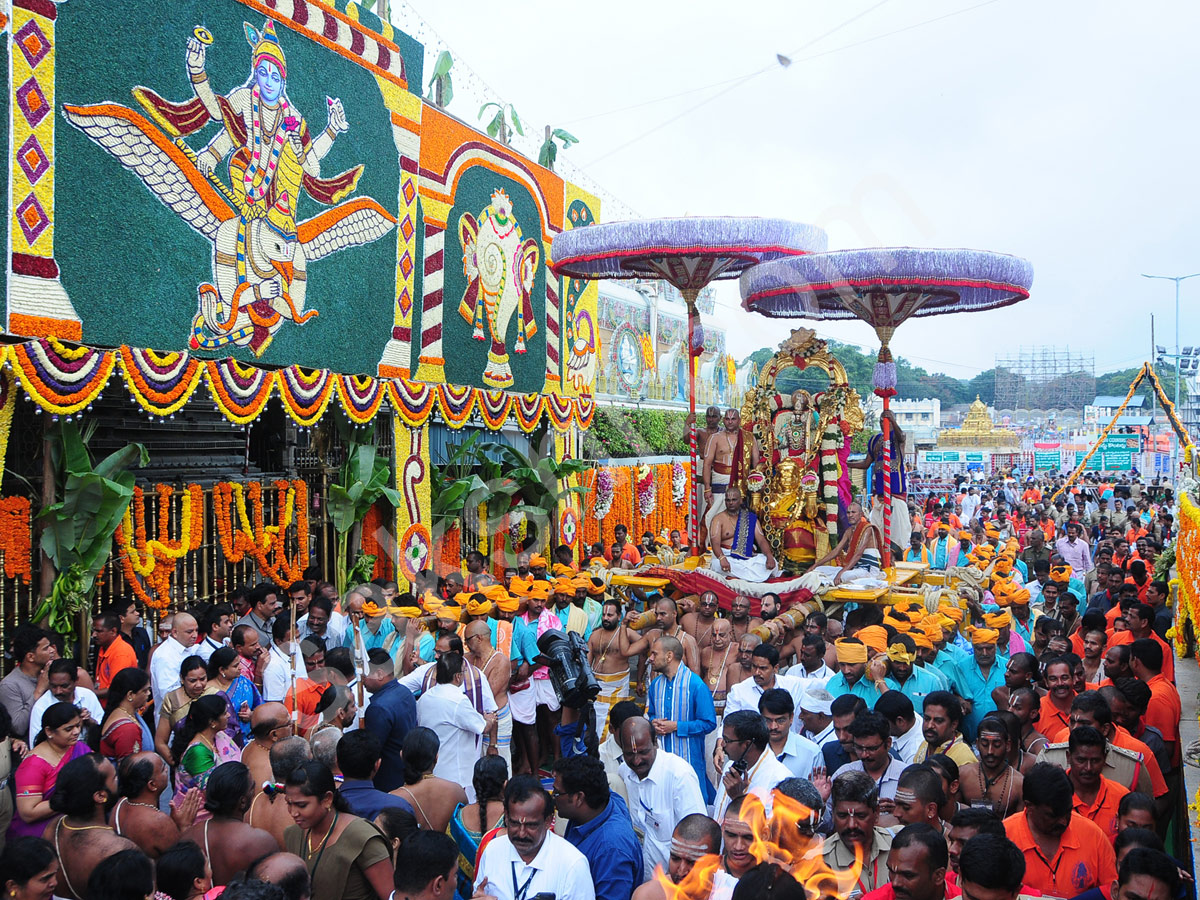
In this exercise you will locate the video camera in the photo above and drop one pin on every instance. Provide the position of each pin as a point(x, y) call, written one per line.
point(570, 672)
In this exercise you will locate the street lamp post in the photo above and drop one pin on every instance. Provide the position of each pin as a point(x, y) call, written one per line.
point(1176, 279)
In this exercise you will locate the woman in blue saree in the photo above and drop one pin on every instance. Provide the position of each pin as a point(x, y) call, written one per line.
point(240, 694)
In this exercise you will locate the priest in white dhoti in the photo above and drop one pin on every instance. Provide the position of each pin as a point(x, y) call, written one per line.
point(739, 548)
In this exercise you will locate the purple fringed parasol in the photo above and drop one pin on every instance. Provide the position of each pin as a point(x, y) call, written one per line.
point(884, 287)
point(689, 254)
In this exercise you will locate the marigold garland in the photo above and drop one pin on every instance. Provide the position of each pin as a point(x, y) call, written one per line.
point(450, 557)
point(15, 541)
point(155, 560)
point(242, 530)
point(372, 524)
point(1187, 562)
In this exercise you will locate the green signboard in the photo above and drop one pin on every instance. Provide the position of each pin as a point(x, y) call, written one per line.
point(1107, 460)
point(1047, 459)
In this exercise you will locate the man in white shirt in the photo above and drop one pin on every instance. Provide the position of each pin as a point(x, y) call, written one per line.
point(529, 858)
point(750, 768)
point(764, 663)
point(970, 505)
point(63, 688)
point(812, 665)
point(283, 660)
point(475, 685)
point(662, 789)
point(903, 723)
point(321, 621)
point(164, 664)
point(216, 628)
point(798, 753)
point(459, 727)
point(872, 743)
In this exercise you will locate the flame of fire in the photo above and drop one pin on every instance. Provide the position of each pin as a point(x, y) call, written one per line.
point(776, 840)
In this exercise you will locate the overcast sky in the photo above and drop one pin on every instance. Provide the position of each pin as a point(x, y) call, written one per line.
point(1064, 131)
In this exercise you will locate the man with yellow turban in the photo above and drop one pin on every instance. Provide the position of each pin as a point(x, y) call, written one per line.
point(537, 566)
point(528, 697)
point(904, 674)
point(584, 600)
point(978, 675)
point(852, 666)
point(369, 622)
point(943, 549)
point(570, 614)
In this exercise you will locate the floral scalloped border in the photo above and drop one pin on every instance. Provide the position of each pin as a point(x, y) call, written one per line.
point(65, 379)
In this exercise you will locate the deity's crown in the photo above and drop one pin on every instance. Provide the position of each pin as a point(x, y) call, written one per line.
point(266, 46)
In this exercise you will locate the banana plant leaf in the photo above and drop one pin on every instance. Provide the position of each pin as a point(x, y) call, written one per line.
point(365, 478)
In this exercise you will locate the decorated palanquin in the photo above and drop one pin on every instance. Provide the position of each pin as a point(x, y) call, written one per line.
point(801, 484)
point(253, 196)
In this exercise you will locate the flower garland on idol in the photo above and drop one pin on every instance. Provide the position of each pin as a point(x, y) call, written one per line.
point(244, 532)
point(645, 491)
point(678, 483)
point(605, 484)
point(154, 560)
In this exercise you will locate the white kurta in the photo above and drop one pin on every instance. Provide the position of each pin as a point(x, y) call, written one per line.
point(444, 709)
point(277, 676)
point(84, 699)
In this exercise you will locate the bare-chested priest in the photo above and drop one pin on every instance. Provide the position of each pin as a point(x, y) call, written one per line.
point(858, 550)
point(739, 547)
point(723, 461)
point(86, 789)
point(700, 622)
point(608, 652)
point(712, 426)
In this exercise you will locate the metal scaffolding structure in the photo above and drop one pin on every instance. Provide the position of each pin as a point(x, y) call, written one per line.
point(1045, 378)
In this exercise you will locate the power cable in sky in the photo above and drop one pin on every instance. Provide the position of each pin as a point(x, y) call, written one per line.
point(738, 82)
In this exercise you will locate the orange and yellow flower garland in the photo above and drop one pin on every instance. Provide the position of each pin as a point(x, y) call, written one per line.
point(249, 534)
point(15, 541)
point(1187, 562)
point(450, 557)
point(154, 560)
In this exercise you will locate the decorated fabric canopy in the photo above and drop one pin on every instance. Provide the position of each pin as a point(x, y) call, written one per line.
point(689, 253)
point(884, 286)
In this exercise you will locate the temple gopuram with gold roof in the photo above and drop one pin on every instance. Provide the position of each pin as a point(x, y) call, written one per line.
point(979, 431)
